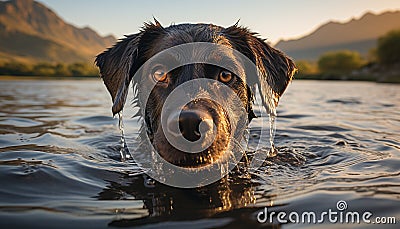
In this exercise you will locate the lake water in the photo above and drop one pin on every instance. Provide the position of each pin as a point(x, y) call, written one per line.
point(60, 166)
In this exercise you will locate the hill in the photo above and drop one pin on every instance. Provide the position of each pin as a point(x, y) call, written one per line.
point(30, 32)
point(358, 35)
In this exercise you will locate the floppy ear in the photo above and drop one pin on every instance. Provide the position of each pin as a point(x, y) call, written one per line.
point(115, 64)
point(274, 69)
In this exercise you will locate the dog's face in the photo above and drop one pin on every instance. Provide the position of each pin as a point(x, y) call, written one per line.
point(200, 119)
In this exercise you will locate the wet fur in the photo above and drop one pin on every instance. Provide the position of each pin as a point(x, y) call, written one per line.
point(119, 64)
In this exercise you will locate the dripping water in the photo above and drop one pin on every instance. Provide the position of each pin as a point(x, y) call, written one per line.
point(272, 128)
point(124, 151)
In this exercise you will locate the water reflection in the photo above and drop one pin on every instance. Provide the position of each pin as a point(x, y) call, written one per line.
point(175, 204)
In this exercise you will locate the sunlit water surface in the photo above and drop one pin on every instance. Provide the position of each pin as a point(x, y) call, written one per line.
point(60, 164)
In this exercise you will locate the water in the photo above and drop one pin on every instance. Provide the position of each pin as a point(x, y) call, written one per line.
point(60, 163)
point(124, 151)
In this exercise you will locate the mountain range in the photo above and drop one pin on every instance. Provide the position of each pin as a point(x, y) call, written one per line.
point(357, 35)
point(30, 32)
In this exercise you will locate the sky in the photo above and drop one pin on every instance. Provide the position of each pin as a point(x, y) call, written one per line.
point(273, 20)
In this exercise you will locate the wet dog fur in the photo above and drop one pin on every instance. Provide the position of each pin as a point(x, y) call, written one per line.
point(119, 64)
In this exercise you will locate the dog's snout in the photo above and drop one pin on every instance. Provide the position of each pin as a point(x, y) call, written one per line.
point(193, 124)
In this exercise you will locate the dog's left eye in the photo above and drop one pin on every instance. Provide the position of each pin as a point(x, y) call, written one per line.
point(225, 76)
point(160, 74)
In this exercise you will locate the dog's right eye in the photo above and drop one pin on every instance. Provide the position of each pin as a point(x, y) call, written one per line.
point(160, 74)
point(225, 76)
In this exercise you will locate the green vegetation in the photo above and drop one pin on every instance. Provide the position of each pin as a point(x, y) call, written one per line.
point(340, 62)
point(48, 69)
point(388, 50)
point(306, 67)
point(382, 63)
point(306, 70)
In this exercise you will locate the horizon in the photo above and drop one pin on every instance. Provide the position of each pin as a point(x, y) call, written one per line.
point(126, 17)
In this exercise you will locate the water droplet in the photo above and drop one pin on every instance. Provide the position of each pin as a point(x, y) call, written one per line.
point(124, 151)
point(149, 182)
point(272, 128)
point(273, 151)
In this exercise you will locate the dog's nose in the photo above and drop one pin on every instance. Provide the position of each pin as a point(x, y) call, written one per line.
point(189, 125)
point(192, 124)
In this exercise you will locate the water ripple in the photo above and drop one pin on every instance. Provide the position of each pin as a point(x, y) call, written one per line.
point(60, 161)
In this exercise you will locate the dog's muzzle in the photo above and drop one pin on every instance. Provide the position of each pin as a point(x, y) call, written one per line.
point(198, 134)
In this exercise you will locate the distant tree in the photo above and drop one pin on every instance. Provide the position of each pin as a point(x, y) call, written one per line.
point(15, 68)
point(306, 67)
point(372, 55)
point(44, 69)
point(48, 69)
point(82, 69)
point(77, 69)
point(388, 50)
point(340, 62)
point(62, 70)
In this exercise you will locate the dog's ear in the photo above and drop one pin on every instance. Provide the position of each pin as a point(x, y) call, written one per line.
point(115, 64)
point(119, 63)
point(274, 69)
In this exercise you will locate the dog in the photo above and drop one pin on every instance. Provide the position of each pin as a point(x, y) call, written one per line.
point(126, 62)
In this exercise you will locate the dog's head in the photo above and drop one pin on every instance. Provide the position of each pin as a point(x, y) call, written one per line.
point(130, 57)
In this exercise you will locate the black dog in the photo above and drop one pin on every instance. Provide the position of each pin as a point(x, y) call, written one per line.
point(120, 63)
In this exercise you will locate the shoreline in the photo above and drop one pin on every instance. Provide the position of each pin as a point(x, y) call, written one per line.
point(10, 77)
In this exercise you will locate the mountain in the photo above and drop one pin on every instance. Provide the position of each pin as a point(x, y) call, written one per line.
point(357, 35)
point(31, 32)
